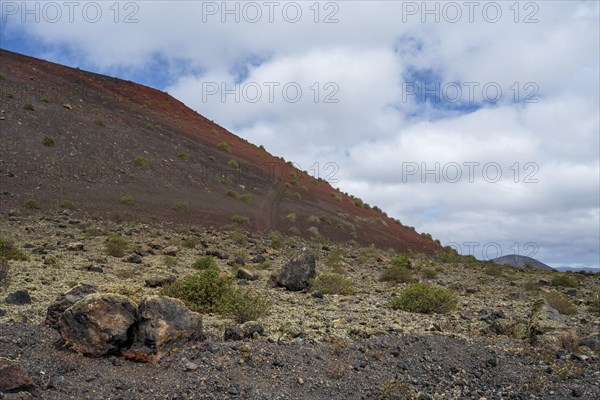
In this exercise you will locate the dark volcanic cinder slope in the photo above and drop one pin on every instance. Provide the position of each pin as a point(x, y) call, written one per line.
point(100, 124)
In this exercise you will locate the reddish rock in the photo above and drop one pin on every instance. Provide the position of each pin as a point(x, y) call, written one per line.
point(13, 377)
point(142, 355)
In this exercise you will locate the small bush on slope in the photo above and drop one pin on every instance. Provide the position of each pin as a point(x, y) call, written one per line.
point(426, 299)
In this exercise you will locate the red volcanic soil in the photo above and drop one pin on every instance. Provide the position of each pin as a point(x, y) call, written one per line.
point(100, 124)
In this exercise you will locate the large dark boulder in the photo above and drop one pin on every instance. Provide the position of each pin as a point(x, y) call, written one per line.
point(163, 321)
point(99, 324)
point(66, 300)
point(298, 272)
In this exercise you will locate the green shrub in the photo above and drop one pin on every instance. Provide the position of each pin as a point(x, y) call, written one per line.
point(204, 262)
point(4, 273)
point(8, 251)
point(204, 291)
point(234, 164)
point(232, 193)
point(570, 341)
point(291, 217)
point(531, 286)
point(67, 205)
point(336, 196)
point(189, 243)
point(29, 107)
point(170, 261)
point(183, 155)
point(315, 234)
point(2, 77)
point(294, 230)
point(396, 274)
point(326, 219)
point(368, 254)
point(426, 235)
point(494, 270)
point(240, 219)
point(141, 161)
point(560, 303)
point(48, 141)
point(402, 260)
point(117, 216)
point(91, 232)
point(238, 238)
point(331, 283)
point(245, 305)
point(31, 204)
point(115, 245)
point(127, 200)
point(564, 280)
point(246, 198)
point(429, 273)
point(446, 254)
point(180, 206)
point(395, 389)
point(335, 257)
point(264, 265)
point(100, 122)
point(358, 202)
point(224, 146)
point(426, 299)
point(276, 239)
point(45, 100)
point(314, 219)
point(293, 194)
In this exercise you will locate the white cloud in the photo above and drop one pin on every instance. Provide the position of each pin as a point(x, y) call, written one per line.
point(373, 130)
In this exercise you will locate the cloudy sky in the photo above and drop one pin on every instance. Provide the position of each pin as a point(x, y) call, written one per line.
point(477, 122)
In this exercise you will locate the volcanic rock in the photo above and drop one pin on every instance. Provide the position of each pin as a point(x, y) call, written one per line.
point(297, 273)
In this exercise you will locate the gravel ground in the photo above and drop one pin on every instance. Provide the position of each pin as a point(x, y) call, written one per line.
point(393, 367)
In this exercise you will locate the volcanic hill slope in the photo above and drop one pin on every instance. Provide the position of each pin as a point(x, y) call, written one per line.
point(110, 141)
point(519, 261)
